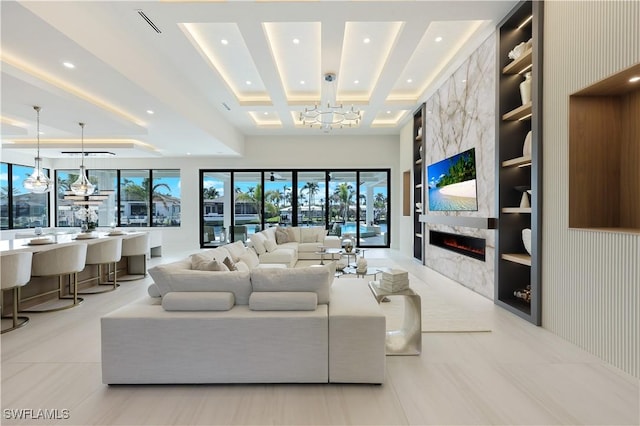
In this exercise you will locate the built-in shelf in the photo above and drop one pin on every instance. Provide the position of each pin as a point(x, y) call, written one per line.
point(418, 180)
point(516, 210)
point(515, 268)
point(517, 162)
point(522, 259)
point(520, 113)
point(521, 64)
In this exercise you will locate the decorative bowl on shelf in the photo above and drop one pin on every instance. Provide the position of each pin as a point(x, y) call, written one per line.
point(517, 51)
point(526, 239)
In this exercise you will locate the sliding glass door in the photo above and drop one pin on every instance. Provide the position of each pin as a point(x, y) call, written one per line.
point(348, 203)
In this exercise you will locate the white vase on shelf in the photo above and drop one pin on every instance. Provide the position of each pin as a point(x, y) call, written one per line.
point(525, 89)
point(524, 201)
point(526, 147)
point(526, 239)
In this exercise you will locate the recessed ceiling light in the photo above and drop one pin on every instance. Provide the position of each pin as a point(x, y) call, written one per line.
point(248, 82)
point(265, 113)
point(224, 41)
point(409, 80)
point(634, 79)
point(296, 41)
point(188, 153)
point(41, 133)
point(68, 65)
point(301, 81)
point(356, 81)
point(438, 39)
point(388, 112)
point(150, 112)
point(366, 40)
point(464, 81)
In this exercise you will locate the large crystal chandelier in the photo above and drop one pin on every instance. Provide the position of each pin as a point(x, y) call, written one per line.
point(38, 182)
point(328, 114)
point(82, 186)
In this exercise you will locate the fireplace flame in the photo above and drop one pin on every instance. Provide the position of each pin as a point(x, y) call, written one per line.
point(451, 242)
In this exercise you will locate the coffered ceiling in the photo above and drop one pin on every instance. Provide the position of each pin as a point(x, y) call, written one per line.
point(174, 78)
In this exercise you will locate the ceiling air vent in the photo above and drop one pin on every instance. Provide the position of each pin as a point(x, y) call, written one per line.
point(149, 21)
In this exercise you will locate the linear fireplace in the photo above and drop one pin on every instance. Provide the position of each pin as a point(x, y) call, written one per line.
point(463, 244)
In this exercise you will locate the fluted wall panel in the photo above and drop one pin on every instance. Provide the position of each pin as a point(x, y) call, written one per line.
point(591, 279)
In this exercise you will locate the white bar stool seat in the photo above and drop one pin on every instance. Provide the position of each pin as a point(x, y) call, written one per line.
point(61, 261)
point(15, 272)
point(107, 252)
point(135, 249)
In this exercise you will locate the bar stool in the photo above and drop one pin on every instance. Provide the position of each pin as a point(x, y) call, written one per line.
point(61, 261)
point(106, 252)
point(16, 272)
point(133, 249)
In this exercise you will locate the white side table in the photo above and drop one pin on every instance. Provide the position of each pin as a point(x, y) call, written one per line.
point(408, 339)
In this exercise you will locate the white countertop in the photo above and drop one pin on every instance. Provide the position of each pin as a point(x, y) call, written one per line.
point(23, 244)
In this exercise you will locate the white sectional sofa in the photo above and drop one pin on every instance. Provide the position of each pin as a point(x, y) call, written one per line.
point(265, 325)
point(287, 245)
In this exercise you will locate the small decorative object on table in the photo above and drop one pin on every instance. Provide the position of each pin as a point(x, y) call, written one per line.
point(361, 266)
point(89, 218)
point(394, 280)
point(517, 51)
point(348, 245)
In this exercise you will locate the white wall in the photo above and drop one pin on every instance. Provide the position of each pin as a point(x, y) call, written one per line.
point(264, 153)
point(590, 280)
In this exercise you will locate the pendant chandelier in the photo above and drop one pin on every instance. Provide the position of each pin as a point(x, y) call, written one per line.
point(83, 192)
point(333, 116)
point(38, 182)
point(82, 186)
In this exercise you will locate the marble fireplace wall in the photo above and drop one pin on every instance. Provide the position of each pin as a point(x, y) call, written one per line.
point(460, 116)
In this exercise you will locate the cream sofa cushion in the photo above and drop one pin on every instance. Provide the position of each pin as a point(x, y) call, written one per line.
point(250, 258)
point(258, 240)
point(198, 301)
point(294, 234)
point(283, 301)
point(270, 246)
point(170, 278)
point(236, 250)
point(317, 279)
point(270, 233)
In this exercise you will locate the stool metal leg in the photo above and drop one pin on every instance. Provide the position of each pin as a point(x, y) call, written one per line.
point(18, 321)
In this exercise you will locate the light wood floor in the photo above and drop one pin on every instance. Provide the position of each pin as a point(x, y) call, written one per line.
point(515, 374)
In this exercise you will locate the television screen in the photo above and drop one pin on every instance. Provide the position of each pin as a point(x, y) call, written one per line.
point(452, 183)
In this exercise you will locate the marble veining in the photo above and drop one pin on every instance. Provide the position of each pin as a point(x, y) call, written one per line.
point(461, 116)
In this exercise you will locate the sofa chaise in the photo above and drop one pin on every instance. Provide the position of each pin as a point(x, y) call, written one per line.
point(287, 245)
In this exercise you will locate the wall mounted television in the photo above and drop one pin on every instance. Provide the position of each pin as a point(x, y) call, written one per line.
point(452, 183)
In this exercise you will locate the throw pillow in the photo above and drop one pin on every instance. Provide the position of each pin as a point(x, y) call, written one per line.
point(282, 236)
point(198, 258)
point(270, 246)
point(250, 258)
point(293, 237)
point(258, 240)
point(236, 250)
point(230, 264)
point(211, 265)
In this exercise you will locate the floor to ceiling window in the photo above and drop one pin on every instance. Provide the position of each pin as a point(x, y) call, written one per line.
point(21, 208)
point(311, 198)
point(353, 203)
point(277, 198)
